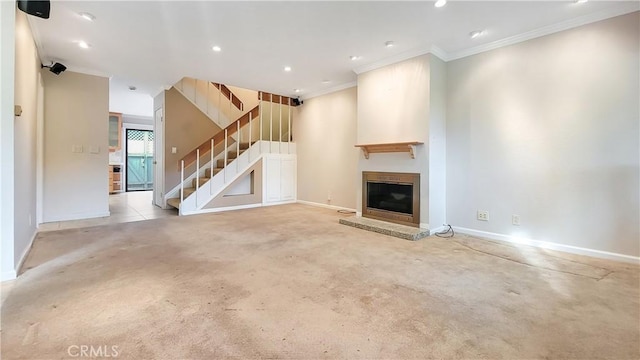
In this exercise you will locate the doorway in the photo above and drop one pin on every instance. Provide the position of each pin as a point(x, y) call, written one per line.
point(139, 160)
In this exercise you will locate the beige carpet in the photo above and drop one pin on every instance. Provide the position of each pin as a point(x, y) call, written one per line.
point(290, 282)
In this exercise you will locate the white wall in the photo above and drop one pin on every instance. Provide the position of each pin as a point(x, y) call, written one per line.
point(125, 101)
point(393, 106)
point(76, 113)
point(324, 130)
point(7, 68)
point(548, 130)
point(437, 142)
point(27, 86)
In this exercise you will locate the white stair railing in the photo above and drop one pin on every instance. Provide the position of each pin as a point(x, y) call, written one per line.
point(201, 193)
point(210, 100)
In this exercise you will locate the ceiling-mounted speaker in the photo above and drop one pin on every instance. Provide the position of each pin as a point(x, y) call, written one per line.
point(40, 9)
point(296, 102)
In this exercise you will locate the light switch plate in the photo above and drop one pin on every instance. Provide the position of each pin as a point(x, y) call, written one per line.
point(76, 149)
point(174, 149)
point(94, 149)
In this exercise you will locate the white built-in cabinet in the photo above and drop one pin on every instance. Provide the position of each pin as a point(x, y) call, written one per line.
point(279, 178)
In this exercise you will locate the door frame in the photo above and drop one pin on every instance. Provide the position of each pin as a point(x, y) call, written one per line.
point(158, 158)
point(123, 169)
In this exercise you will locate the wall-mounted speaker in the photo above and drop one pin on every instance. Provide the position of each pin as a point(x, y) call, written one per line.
point(296, 102)
point(36, 8)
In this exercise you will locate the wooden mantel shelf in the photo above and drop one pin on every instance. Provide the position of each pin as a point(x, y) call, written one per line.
point(408, 147)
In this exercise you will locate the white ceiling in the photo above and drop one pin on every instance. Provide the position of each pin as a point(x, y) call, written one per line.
point(152, 44)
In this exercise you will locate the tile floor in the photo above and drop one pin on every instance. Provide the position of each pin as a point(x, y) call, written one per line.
point(124, 207)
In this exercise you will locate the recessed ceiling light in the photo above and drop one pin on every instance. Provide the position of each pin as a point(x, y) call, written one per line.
point(296, 90)
point(326, 81)
point(581, 1)
point(87, 16)
point(83, 44)
point(287, 68)
point(354, 58)
point(389, 44)
point(440, 3)
point(475, 34)
point(217, 48)
point(132, 88)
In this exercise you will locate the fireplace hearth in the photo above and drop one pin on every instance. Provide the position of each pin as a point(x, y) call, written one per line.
point(393, 197)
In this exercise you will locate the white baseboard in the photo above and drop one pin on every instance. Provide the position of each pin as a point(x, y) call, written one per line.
point(221, 209)
point(438, 229)
point(8, 275)
point(549, 245)
point(77, 216)
point(26, 251)
point(326, 206)
point(280, 203)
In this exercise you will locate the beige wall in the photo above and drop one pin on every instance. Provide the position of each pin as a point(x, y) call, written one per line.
point(548, 130)
point(186, 128)
point(227, 200)
point(27, 87)
point(393, 106)
point(76, 110)
point(7, 75)
point(325, 133)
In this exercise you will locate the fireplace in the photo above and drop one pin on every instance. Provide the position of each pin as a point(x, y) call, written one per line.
point(393, 197)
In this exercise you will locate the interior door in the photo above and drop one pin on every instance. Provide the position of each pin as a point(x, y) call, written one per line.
point(139, 160)
point(158, 168)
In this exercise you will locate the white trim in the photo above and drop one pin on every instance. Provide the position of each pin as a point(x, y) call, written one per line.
point(326, 206)
point(359, 213)
point(550, 245)
point(78, 216)
point(438, 229)
point(330, 90)
point(280, 203)
point(26, 251)
point(8, 276)
point(395, 59)
point(424, 226)
point(548, 30)
point(221, 209)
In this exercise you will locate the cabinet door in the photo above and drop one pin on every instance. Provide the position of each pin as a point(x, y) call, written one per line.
point(288, 179)
point(272, 179)
point(115, 131)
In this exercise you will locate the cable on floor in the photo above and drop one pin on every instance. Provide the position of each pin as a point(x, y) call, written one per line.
point(445, 234)
point(346, 212)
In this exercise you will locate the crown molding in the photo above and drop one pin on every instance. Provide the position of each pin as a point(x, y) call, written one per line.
point(329, 90)
point(625, 8)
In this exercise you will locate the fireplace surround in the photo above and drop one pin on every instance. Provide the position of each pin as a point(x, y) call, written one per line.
point(393, 197)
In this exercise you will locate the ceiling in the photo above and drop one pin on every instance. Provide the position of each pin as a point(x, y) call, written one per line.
point(153, 44)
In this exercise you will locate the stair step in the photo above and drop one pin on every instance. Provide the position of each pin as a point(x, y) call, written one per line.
point(188, 191)
point(207, 172)
point(244, 146)
point(202, 181)
point(175, 202)
point(221, 162)
point(232, 154)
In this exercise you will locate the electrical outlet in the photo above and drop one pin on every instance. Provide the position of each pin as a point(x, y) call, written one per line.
point(329, 195)
point(483, 215)
point(515, 219)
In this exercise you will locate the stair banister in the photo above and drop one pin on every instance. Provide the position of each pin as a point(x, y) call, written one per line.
point(211, 165)
point(260, 111)
point(289, 127)
point(226, 146)
point(181, 181)
point(270, 120)
point(250, 136)
point(238, 144)
point(280, 127)
point(197, 174)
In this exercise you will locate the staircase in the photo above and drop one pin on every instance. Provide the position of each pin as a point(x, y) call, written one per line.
point(255, 138)
point(214, 100)
point(200, 181)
